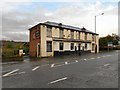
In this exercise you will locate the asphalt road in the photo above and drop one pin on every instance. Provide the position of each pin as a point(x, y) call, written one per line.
point(87, 71)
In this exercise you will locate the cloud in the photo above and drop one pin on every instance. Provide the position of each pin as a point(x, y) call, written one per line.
point(17, 20)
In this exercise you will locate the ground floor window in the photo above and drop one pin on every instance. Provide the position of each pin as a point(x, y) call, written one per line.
point(72, 46)
point(92, 46)
point(79, 46)
point(49, 46)
point(86, 46)
point(61, 46)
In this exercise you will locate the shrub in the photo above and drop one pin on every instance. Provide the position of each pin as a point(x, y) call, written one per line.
point(7, 52)
point(9, 46)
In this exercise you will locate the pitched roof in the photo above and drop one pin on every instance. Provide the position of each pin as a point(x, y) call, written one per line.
point(60, 25)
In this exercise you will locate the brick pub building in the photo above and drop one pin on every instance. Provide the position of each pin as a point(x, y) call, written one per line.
point(51, 39)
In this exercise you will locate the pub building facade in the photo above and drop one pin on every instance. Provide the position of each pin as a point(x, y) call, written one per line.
point(52, 39)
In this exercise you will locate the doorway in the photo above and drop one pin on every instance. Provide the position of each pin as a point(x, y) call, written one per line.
point(79, 45)
point(96, 49)
point(38, 50)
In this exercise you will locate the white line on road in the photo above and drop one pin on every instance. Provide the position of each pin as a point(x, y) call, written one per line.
point(98, 57)
point(59, 65)
point(103, 56)
point(21, 72)
point(35, 68)
point(66, 62)
point(106, 64)
point(58, 80)
point(108, 55)
point(16, 73)
point(10, 72)
point(85, 59)
point(52, 65)
point(92, 58)
point(76, 60)
point(45, 65)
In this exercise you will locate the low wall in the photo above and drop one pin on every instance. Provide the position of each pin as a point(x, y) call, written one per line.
point(57, 53)
point(4, 59)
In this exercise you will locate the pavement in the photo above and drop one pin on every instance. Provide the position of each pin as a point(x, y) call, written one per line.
point(86, 71)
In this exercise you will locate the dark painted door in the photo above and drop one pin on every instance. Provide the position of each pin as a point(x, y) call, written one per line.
point(79, 47)
point(96, 49)
point(38, 50)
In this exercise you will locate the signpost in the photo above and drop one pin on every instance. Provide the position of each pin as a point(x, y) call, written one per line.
point(109, 44)
point(119, 43)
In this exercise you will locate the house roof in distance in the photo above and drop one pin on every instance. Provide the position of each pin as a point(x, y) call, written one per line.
point(63, 26)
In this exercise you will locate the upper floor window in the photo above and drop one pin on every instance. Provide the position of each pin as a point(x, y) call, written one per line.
point(37, 33)
point(78, 35)
point(85, 36)
point(61, 32)
point(33, 35)
point(72, 34)
point(93, 37)
point(49, 31)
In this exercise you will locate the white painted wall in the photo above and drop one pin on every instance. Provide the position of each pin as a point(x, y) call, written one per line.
point(56, 46)
point(67, 46)
point(44, 39)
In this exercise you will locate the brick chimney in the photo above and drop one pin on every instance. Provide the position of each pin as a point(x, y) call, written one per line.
point(83, 28)
point(60, 24)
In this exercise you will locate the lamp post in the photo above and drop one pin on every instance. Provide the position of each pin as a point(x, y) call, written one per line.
point(95, 20)
point(95, 30)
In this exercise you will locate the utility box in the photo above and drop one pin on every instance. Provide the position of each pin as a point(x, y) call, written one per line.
point(20, 52)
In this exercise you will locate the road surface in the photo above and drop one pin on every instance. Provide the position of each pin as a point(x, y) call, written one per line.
point(87, 71)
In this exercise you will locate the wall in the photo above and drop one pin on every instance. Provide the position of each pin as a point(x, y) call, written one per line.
point(97, 43)
point(44, 39)
point(97, 40)
point(33, 43)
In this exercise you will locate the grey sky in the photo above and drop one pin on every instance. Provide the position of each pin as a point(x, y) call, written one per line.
point(18, 17)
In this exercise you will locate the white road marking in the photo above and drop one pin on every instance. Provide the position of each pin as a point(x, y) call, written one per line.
point(59, 65)
point(98, 57)
point(6, 71)
point(58, 80)
point(21, 72)
point(92, 58)
point(66, 62)
point(45, 65)
point(106, 65)
point(76, 60)
point(35, 68)
point(52, 65)
point(103, 56)
point(16, 73)
point(85, 59)
point(108, 55)
point(10, 72)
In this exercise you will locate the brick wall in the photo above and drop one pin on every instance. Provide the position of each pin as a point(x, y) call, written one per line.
point(34, 42)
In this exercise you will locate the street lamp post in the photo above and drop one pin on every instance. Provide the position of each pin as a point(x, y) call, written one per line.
point(95, 26)
point(95, 20)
